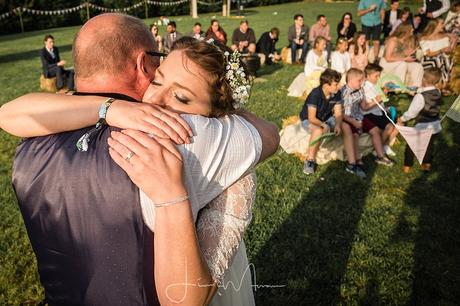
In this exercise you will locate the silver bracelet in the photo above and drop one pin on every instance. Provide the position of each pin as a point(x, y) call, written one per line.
point(172, 202)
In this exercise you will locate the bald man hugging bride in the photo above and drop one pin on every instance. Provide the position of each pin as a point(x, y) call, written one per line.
point(149, 205)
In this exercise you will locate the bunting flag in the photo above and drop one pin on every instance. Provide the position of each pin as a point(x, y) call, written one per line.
point(454, 111)
point(84, 5)
point(417, 140)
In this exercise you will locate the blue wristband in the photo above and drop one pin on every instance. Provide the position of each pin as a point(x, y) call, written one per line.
point(103, 110)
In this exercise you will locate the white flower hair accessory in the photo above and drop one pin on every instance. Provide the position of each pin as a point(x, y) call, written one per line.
point(235, 76)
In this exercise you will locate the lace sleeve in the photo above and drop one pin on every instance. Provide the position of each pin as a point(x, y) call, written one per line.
point(222, 223)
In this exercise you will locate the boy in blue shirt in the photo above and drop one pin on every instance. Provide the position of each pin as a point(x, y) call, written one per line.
point(323, 110)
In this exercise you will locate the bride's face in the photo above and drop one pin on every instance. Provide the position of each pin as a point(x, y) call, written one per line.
point(180, 85)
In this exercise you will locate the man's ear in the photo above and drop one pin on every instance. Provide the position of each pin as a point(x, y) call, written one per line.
point(141, 65)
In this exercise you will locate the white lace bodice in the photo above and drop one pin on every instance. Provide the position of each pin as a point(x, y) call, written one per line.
point(221, 224)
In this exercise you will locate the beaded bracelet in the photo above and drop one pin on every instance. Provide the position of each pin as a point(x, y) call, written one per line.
point(172, 202)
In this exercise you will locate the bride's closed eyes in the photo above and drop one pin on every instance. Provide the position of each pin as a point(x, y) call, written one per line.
point(175, 93)
point(179, 97)
point(180, 85)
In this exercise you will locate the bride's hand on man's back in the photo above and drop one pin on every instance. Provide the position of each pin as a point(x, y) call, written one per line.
point(150, 119)
point(154, 165)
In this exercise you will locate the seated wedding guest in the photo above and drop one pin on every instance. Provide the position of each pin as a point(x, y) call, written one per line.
point(315, 64)
point(323, 110)
point(417, 24)
point(374, 112)
point(196, 32)
point(53, 66)
point(346, 27)
point(340, 58)
point(424, 108)
point(399, 57)
point(244, 38)
point(437, 48)
point(171, 36)
point(321, 28)
point(406, 17)
point(298, 39)
point(452, 21)
point(216, 32)
point(267, 46)
point(353, 96)
point(359, 51)
point(433, 9)
point(390, 18)
point(156, 35)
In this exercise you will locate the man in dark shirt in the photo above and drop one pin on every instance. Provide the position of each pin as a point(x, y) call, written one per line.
point(323, 110)
point(391, 16)
point(244, 39)
point(267, 46)
point(53, 66)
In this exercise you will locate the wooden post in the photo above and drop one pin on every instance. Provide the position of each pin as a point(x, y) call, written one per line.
point(224, 9)
point(194, 7)
point(87, 10)
point(20, 19)
point(146, 9)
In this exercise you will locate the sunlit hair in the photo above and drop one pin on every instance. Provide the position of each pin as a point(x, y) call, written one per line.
point(117, 45)
point(329, 76)
point(354, 73)
point(355, 43)
point(432, 75)
point(431, 27)
point(402, 30)
point(339, 42)
point(211, 59)
point(318, 40)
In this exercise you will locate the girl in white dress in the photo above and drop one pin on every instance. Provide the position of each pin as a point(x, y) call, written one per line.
point(220, 219)
point(315, 64)
point(340, 58)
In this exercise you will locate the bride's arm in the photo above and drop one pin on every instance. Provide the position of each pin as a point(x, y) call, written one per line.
point(222, 223)
point(39, 114)
point(181, 274)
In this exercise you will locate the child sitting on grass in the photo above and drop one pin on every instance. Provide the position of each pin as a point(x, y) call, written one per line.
point(323, 110)
point(315, 64)
point(425, 107)
point(353, 96)
point(374, 113)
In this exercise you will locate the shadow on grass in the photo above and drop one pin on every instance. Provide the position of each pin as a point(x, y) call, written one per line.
point(19, 56)
point(310, 250)
point(436, 195)
point(268, 69)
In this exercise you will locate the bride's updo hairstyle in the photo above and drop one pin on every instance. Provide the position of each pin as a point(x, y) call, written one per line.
point(210, 57)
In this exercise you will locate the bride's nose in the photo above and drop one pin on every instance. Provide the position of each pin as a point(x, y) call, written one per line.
point(158, 97)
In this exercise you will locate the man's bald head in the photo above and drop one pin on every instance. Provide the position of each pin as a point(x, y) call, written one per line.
point(108, 44)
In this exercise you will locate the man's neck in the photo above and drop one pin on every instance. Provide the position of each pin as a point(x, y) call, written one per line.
point(107, 86)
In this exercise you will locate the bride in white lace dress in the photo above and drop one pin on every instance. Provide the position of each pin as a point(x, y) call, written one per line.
point(196, 78)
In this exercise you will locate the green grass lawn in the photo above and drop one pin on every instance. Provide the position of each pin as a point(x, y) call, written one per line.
point(330, 238)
